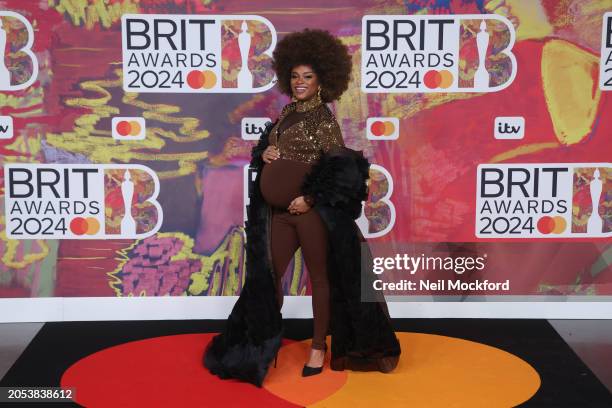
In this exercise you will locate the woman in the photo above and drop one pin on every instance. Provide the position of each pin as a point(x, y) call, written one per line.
point(307, 193)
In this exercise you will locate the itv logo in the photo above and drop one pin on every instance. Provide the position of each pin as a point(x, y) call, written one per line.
point(509, 127)
point(252, 128)
point(6, 127)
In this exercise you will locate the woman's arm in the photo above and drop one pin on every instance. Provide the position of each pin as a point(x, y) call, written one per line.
point(264, 140)
point(329, 134)
point(260, 147)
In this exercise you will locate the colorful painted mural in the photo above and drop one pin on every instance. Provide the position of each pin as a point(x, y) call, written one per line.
point(423, 188)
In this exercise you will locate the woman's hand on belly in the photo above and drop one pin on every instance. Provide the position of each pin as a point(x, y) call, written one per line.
point(271, 153)
point(298, 206)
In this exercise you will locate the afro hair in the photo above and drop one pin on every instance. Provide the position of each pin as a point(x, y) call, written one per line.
point(326, 54)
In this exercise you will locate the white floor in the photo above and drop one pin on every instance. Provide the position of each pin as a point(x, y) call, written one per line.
point(590, 339)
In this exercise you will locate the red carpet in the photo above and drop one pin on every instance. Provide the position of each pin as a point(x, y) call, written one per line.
point(434, 371)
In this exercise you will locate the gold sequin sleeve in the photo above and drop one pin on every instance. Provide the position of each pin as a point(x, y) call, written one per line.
point(329, 134)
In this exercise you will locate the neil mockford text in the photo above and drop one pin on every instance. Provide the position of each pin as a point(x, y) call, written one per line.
point(414, 264)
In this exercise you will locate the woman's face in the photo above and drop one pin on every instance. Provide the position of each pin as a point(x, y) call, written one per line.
point(304, 82)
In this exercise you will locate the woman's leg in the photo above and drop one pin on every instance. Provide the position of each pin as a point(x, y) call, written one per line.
point(284, 242)
point(312, 236)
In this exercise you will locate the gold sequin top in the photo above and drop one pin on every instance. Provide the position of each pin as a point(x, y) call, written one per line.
point(307, 139)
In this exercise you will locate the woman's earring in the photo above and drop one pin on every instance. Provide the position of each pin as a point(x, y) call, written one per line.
point(319, 92)
point(293, 98)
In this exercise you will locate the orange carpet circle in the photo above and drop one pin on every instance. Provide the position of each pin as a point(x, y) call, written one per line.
point(434, 371)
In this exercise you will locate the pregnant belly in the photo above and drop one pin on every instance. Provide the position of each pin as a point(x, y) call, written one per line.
point(281, 181)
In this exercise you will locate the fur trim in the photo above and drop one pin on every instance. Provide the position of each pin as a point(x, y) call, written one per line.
point(338, 179)
point(361, 331)
point(245, 361)
point(262, 144)
point(252, 336)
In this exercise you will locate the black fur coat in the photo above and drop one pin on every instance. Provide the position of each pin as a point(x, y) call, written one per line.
point(361, 333)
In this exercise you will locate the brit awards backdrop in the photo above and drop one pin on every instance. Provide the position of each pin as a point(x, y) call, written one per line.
point(126, 128)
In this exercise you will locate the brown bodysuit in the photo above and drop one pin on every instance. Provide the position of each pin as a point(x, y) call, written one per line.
point(304, 130)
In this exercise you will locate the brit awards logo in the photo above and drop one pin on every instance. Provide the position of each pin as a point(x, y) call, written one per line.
point(544, 200)
point(605, 65)
point(81, 201)
point(197, 53)
point(17, 58)
point(435, 53)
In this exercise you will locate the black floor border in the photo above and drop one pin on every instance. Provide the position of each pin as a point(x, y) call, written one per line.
point(566, 380)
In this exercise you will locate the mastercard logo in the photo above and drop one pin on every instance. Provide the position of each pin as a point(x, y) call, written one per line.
point(382, 128)
point(201, 79)
point(128, 128)
point(438, 79)
point(552, 225)
point(131, 128)
point(84, 226)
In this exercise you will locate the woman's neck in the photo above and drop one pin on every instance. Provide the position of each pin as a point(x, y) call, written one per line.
point(309, 104)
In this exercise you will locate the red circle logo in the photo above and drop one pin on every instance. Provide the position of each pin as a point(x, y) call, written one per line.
point(438, 79)
point(552, 225)
point(432, 79)
point(382, 128)
point(195, 79)
point(201, 79)
point(82, 226)
point(128, 128)
point(124, 128)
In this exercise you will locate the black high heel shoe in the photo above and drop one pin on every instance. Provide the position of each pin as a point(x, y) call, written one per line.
point(308, 371)
point(276, 357)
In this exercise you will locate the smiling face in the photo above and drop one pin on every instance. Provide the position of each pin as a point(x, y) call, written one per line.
point(304, 82)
